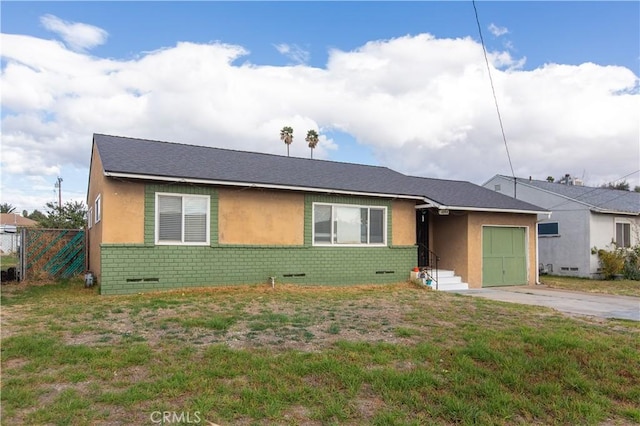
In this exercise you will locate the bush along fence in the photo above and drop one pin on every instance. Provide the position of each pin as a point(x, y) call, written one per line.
point(51, 253)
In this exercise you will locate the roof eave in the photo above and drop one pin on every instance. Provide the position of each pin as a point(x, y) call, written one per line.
point(617, 212)
point(258, 185)
point(494, 210)
point(429, 203)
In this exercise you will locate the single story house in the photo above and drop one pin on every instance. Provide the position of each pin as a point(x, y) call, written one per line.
point(167, 215)
point(581, 218)
point(10, 225)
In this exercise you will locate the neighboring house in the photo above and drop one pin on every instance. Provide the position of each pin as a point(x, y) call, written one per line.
point(10, 224)
point(166, 215)
point(581, 218)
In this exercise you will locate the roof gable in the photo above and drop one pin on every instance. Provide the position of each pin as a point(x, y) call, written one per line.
point(16, 219)
point(165, 160)
point(455, 193)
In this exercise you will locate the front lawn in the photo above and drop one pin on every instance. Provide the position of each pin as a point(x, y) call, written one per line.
point(616, 287)
point(379, 354)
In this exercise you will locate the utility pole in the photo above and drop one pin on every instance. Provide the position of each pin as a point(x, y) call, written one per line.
point(59, 186)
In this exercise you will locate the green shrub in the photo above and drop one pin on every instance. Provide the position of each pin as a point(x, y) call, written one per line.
point(631, 268)
point(619, 261)
point(611, 261)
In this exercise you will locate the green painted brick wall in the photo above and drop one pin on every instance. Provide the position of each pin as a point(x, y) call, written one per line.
point(134, 268)
point(139, 268)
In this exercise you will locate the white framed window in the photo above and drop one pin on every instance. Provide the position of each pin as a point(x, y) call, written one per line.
point(623, 234)
point(90, 218)
point(182, 219)
point(97, 208)
point(349, 225)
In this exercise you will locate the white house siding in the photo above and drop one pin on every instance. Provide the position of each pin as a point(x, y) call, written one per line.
point(9, 243)
point(603, 232)
point(602, 229)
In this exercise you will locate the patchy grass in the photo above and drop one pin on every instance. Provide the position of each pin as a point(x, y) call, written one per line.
point(8, 261)
point(615, 287)
point(383, 354)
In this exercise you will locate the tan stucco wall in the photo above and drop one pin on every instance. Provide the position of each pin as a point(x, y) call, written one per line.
point(257, 217)
point(450, 242)
point(122, 205)
point(457, 240)
point(123, 210)
point(403, 223)
point(94, 234)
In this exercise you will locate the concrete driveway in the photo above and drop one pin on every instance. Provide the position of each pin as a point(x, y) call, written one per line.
point(571, 302)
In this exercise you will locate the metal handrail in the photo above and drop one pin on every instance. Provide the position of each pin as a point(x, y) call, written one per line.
point(433, 260)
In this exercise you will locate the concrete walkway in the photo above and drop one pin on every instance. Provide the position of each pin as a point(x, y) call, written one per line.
point(600, 305)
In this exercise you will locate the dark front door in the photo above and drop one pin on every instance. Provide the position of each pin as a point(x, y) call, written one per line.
point(422, 236)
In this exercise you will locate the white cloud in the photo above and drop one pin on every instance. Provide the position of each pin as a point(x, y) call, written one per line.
point(423, 106)
point(77, 36)
point(295, 53)
point(498, 31)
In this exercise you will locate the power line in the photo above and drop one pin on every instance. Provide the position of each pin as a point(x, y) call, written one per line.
point(495, 99)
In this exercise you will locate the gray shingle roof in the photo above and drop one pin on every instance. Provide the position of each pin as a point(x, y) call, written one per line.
point(603, 199)
point(456, 193)
point(129, 156)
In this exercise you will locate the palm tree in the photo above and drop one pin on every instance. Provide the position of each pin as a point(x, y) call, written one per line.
point(286, 135)
point(6, 208)
point(312, 139)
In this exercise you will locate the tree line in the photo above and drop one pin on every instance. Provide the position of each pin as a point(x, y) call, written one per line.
point(622, 185)
point(71, 215)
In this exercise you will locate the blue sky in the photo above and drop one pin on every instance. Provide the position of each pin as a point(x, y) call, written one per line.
point(562, 32)
point(399, 84)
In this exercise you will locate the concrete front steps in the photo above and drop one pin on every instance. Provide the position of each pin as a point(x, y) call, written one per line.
point(448, 281)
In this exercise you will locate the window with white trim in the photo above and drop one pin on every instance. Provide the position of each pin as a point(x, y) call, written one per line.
point(90, 218)
point(97, 208)
point(349, 225)
point(623, 234)
point(182, 219)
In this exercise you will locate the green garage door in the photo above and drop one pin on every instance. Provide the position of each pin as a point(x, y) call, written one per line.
point(504, 256)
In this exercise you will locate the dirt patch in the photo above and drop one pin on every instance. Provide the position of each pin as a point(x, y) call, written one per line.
point(258, 317)
point(368, 403)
